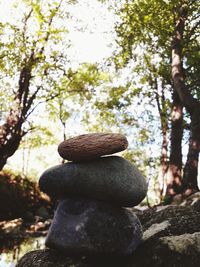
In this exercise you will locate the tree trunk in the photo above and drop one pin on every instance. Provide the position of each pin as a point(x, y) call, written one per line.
point(164, 162)
point(161, 105)
point(2, 162)
point(10, 143)
point(174, 181)
point(189, 102)
point(191, 167)
point(11, 131)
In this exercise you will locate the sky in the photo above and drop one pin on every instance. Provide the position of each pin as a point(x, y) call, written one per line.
point(93, 44)
point(90, 45)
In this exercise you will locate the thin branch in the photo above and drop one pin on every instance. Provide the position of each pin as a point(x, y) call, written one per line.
point(49, 25)
point(157, 98)
point(51, 98)
point(27, 17)
point(194, 28)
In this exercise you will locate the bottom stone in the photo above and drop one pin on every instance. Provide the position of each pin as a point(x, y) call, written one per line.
point(48, 258)
point(52, 258)
point(85, 227)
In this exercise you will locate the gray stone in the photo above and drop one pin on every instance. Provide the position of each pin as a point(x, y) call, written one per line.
point(112, 179)
point(53, 258)
point(171, 238)
point(48, 258)
point(90, 146)
point(155, 229)
point(169, 251)
point(182, 244)
point(85, 227)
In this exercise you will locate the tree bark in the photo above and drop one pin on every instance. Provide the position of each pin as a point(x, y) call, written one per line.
point(164, 161)
point(161, 105)
point(11, 131)
point(174, 181)
point(189, 102)
point(191, 167)
point(9, 142)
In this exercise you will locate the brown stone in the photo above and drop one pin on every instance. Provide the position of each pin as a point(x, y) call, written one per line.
point(90, 146)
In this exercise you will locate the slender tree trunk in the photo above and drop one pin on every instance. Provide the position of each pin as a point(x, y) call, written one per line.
point(11, 132)
point(174, 181)
point(189, 102)
point(191, 167)
point(164, 162)
point(161, 105)
point(8, 149)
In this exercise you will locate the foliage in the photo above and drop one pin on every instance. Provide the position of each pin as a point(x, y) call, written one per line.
point(147, 27)
point(19, 197)
point(151, 26)
point(33, 62)
point(37, 71)
point(31, 43)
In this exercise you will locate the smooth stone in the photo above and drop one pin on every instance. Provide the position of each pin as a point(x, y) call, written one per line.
point(48, 258)
point(90, 146)
point(86, 227)
point(53, 258)
point(112, 179)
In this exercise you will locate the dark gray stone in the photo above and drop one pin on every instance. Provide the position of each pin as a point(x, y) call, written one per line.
point(48, 258)
point(53, 258)
point(170, 251)
point(171, 239)
point(85, 227)
point(112, 179)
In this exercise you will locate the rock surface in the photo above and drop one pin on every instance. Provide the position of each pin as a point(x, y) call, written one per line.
point(85, 227)
point(169, 251)
point(171, 239)
point(52, 258)
point(90, 146)
point(48, 258)
point(112, 179)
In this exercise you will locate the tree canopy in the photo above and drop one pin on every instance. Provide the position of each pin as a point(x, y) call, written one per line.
point(148, 88)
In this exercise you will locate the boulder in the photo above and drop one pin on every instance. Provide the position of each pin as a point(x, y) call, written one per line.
point(172, 251)
point(85, 227)
point(171, 238)
point(169, 251)
point(181, 220)
point(90, 146)
point(53, 258)
point(112, 179)
point(48, 258)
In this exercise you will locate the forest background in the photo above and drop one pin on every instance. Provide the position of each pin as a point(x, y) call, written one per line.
point(71, 67)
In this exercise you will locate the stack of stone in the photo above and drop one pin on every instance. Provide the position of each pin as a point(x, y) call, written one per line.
point(93, 192)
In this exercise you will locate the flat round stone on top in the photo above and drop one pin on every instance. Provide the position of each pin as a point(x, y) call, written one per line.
point(90, 146)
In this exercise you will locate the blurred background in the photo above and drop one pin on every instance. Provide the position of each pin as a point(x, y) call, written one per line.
point(74, 67)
